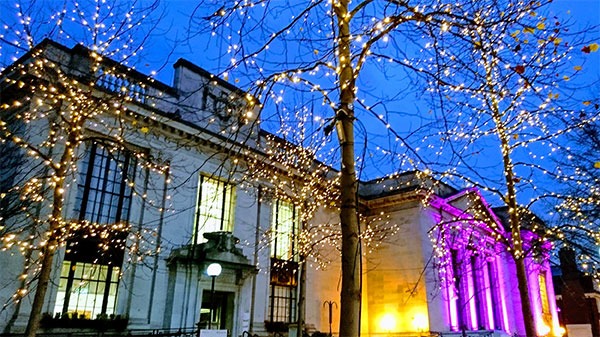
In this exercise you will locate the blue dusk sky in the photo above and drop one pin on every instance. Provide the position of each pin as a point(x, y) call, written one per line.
point(172, 40)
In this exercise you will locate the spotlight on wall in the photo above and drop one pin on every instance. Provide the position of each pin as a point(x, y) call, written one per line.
point(543, 330)
point(421, 322)
point(388, 322)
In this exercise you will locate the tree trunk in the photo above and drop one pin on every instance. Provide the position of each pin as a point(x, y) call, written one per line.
point(56, 221)
point(47, 259)
point(302, 298)
point(301, 316)
point(350, 293)
point(515, 225)
point(525, 300)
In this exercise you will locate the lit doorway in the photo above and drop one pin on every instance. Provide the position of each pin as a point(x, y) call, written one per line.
point(222, 305)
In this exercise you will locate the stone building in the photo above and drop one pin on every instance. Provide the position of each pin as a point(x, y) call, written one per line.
point(193, 126)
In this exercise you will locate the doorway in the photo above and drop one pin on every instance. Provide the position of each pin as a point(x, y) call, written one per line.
point(222, 315)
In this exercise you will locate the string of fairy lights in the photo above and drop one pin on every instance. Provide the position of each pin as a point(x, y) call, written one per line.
point(519, 64)
point(510, 92)
point(64, 104)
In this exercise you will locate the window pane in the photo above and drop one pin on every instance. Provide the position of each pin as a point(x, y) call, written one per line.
point(284, 229)
point(104, 197)
point(87, 290)
point(282, 304)
point(214, 211)
point(60, 295)
point(546, 314)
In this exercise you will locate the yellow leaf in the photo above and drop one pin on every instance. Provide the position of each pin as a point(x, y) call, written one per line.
point(525, 41)
point(226, 78)
point(550, 95)
point(557, 41)
point(577, 68)
point(144, 129)
point(556, 96)
point(316, 52)
point(597, 164)
point(515, 136)
point(586, 103)
point(237, 80)
point(541, 41)
point(541, 26)
point(593, 47)
point(566, 78)
point(529, 30)
point(515, 33)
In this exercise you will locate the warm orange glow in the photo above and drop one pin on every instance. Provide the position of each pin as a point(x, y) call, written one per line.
point(388, 322)
point(560, 331)
point(421, 322)
point(543, 329)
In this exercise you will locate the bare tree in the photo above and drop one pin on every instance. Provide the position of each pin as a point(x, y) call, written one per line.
point(578, 216)
point(327, 49)
point(503, 108)
point(51, 99)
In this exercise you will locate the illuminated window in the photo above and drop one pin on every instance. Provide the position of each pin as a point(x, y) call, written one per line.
point(87, 289)
point(215, 205)
point(546, 314)
point(284, 266)
point(90, 271)
point(284, 227)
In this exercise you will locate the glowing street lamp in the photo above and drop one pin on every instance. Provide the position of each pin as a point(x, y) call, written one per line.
point(213, 270)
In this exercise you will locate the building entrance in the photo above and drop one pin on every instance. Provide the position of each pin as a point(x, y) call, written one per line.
point(222, 310)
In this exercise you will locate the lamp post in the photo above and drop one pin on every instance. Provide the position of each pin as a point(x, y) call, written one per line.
point(330, 304)
point(213, 270)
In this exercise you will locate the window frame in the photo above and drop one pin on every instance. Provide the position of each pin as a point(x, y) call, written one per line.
point(284, 271)
point(286, 312)
point(292, 236)
point(227, 212)
point(113, 260)
point(545, 308)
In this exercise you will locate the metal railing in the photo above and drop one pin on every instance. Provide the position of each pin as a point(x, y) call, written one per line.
point(181, 332)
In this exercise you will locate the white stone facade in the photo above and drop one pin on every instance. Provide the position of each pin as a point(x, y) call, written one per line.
point(164, 292)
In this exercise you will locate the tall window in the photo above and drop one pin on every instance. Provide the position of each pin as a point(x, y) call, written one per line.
point(215, 205)
point(284, 265)
point(546, 314)
point(90, 273)
point(284, 227)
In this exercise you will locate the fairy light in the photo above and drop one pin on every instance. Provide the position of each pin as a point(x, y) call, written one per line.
point(303, 174)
